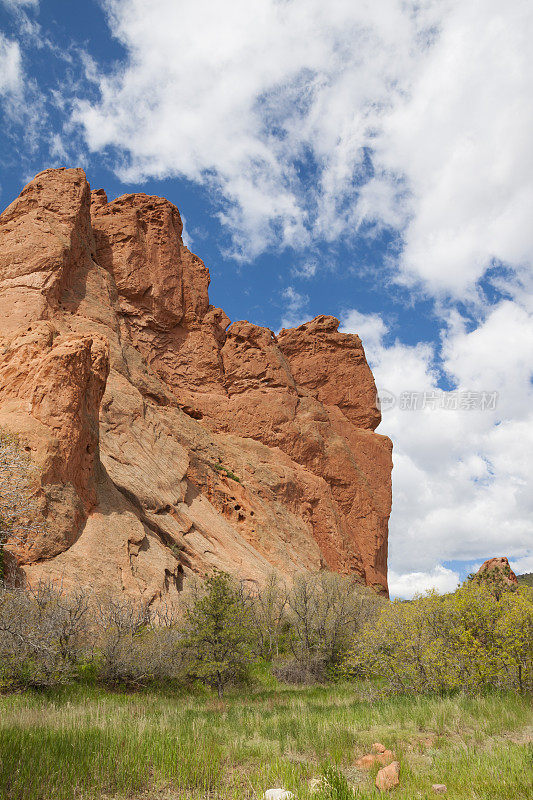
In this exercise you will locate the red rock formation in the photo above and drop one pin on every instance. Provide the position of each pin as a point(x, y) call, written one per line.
point(169, 442)
point(499, 568)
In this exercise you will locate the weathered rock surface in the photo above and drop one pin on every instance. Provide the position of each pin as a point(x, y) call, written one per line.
point(168, 442)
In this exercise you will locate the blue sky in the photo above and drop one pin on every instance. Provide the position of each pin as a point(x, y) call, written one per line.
point(368, 160)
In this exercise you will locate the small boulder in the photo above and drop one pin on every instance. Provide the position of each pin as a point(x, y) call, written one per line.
point(315, 785)
point(366, 762)
point(439, 788)
point(388, 777)
point(277, 794)
point(377, 747)
point(385, 757)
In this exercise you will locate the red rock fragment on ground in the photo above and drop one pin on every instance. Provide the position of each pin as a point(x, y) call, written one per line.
point(366, 762)
point(385, 757)
point(388, 777)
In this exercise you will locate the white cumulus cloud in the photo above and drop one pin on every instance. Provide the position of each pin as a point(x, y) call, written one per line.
point(238, 95)
point(410, 583)
point(412, 115)
point(461, 140)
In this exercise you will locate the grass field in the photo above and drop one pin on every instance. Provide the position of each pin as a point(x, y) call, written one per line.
point(90, 743)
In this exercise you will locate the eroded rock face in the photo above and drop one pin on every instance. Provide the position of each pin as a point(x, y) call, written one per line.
point(168, 440)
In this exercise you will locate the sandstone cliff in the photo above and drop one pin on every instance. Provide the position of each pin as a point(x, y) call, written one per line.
point(169, 441)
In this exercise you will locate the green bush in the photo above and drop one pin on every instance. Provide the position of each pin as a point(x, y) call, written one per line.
point(227, 472)
point(218, 636)
point(470, 640)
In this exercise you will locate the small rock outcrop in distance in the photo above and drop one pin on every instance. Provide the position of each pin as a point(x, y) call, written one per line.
point(498, 567)
point(170, 441)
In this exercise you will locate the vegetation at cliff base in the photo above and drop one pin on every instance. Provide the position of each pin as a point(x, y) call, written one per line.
point(322, 627)
point(217, 635)
point(476, 638)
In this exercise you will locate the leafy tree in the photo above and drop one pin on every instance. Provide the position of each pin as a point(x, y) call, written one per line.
point(218, 635)
point(17, 502)
point(470, 640)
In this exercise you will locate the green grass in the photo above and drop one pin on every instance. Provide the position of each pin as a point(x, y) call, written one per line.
point(89, 743)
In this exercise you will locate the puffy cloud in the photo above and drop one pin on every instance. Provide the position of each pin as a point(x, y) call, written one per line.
point(410, 583)
point(462, 479)
point(244, 95)
point(311, 121)
point(461, 141)
point(370, 328)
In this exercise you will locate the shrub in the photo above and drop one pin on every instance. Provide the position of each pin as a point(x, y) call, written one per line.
point(227, 472)
point(218, 635)
point(268, 610)
point(43, 636)
point(472, 639)
point(324, 612)
point(134, 646)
